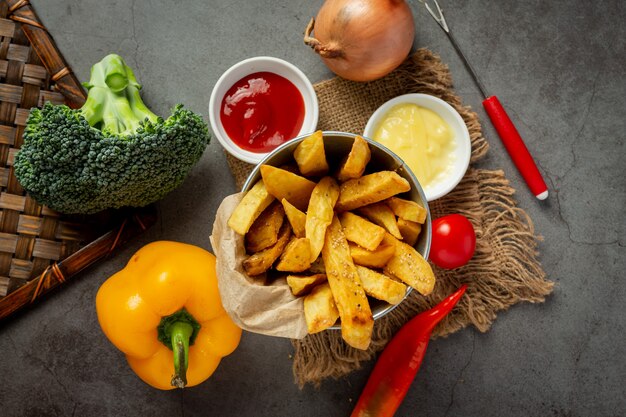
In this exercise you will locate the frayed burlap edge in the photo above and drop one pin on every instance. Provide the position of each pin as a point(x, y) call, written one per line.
point(504, 270)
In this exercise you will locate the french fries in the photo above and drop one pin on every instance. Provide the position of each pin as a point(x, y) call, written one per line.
point(407, 210)
point(354, 164)
point(296, 257)
point(357, 321)
point(320, 311)
point(336, 244)
point(300, 285)
point(284, 184)
point(264, 231)
point(311, 157)
point(380, 286)
point(377, 258)
point(410, 231)
point(261, 261)
point(249, 208)
point(370, 189)
point(296, 218)
point(410, 267)
point(320, 213)
point(382, 215)
point(360, 231)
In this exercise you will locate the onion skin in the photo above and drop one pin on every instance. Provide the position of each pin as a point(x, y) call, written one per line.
point(362, 40)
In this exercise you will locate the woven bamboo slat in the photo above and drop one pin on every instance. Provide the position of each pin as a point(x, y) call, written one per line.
point(39, 248)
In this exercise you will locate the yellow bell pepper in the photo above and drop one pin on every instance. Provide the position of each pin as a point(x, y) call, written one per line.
point(163, 310)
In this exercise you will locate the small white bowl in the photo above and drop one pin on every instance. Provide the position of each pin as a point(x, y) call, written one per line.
point(463, 147)
point(250, 66)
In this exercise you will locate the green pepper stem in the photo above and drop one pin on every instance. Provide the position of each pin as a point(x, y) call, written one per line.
point(180, 332)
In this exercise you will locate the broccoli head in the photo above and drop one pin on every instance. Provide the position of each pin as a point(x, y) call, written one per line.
point(113, 152)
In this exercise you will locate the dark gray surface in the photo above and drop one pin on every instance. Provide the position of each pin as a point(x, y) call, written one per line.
point(558, 69)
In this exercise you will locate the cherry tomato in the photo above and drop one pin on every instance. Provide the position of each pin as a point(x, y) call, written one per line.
point(453, 242)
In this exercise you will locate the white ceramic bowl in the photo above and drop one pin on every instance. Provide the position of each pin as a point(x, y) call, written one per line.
point(250, 66)
point(463, 147)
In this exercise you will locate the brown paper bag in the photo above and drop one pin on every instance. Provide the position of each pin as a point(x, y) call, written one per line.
point(266, 309)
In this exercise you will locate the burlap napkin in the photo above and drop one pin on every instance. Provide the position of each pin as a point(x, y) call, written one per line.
point(504, 270)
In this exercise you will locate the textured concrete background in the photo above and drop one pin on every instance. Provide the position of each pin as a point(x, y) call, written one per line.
point(558, 69)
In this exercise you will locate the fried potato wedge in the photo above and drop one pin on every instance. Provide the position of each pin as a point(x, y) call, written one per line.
point(284, 184)
point(264, 231)
point(311, 157)
point(374, 259)
point(320, 311)
point(361, 231)
point(296, 218)
point(249, 208)
point(356, 161)
point(320, 213)
point(370, 189)
point(296, 257)
point(357, 321)
point(407, 210)
point(380, 286)
point(301, 285)
point(410, 231)
point(410, 267)
point(382, 215)
point(260, 262)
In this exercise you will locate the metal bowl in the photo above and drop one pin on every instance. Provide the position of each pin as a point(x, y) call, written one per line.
point(337, 145)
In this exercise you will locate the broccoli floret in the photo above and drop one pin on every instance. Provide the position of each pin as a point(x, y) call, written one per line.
point(113, 152)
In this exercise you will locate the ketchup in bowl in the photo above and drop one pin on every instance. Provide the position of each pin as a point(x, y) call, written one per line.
point(261, 111)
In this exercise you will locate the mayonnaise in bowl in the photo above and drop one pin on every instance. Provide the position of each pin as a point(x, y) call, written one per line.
point(429, 136)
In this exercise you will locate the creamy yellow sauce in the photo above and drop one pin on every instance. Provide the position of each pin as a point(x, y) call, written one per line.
point(421, 138)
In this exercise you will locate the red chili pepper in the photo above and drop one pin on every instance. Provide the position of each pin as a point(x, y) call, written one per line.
point(398, 364)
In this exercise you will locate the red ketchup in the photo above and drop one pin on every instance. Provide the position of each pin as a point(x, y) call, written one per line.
point(262, 111)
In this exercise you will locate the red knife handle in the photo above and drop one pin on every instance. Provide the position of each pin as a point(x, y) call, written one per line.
point(515, 147)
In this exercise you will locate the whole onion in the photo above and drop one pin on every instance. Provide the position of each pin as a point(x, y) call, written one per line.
point(362, 40)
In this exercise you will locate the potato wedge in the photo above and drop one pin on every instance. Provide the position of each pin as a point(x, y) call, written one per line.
point(264, 231)
point(301, 285)
point(320, 311)
point(296, 218)
point(380, 286)
point(356, 161)
point(374, 259)
point(317, 266)
point(407, 210)
point(296, 257)
point(261, 261)
point(311, 157)
point(408, 265)
point(370, 189)
point(382, 215)
point(320, 213)
point(410, 231)
point(284, 184)
point(356, 317)
point(361, 231)
point(249, 208)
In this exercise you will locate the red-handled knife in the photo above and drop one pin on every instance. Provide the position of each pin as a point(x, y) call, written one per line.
point(507, 131)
